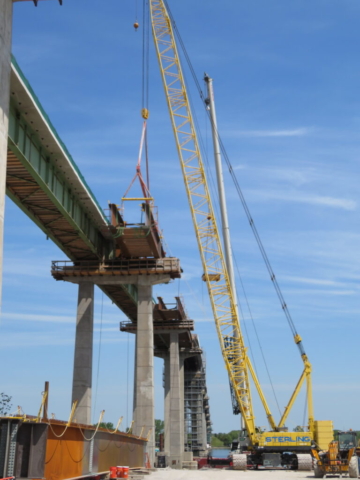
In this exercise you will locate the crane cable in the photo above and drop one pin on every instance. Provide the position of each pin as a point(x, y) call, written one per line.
point(239, 302)
point(257, 336)
point(240, 194)
point(145, 76)
point(145, 55)
point(213, 188)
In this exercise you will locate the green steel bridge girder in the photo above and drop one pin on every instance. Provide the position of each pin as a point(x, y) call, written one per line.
point(22, 141)
point(43, 169)
point(27, 148)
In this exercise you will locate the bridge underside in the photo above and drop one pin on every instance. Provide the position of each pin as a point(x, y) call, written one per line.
point(43, 180)
point(27, 193)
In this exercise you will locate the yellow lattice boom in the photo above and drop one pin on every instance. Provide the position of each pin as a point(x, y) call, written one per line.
point(207, 233)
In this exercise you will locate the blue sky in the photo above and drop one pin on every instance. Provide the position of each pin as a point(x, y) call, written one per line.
point(286, 81)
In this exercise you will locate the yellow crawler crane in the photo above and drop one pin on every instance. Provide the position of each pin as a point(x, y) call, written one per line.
point(262, 448)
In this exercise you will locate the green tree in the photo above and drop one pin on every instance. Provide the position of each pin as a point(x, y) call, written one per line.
point(108, 425)
point(5, 404)
point(298, 429)
point(225, 438)
point(234, 434)
point(215, 442)
point(159, 428)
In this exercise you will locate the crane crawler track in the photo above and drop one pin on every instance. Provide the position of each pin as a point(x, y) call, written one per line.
point(304, 461)
point(239, 461)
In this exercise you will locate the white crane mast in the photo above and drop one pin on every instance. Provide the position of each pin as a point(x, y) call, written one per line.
point(222, 196)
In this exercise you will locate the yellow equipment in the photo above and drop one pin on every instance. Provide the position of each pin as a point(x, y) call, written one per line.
point(238, 365)
point(339, 458)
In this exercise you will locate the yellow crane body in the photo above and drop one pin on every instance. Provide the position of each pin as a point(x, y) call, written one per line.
point(234, 351)
point(207, 233)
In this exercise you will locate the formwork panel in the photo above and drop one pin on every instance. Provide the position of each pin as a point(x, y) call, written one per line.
point(52, 450)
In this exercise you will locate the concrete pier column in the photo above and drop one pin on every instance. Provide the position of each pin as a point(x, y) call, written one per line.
point(182, 401)
point(5, 69)
point(82, 378)
point(204, 430)
point(135, 380)
point(174, 425)
point(167, 418)
point(176, 406)
point(144, 415)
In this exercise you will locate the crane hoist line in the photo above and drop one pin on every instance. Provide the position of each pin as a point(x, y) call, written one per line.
point(215, 274)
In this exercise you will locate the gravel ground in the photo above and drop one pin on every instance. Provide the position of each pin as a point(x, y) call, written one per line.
point(221, 474)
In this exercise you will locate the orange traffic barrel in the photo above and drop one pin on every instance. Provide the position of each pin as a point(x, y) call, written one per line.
point(113, 472)
point(119, 471)
point(125, 472)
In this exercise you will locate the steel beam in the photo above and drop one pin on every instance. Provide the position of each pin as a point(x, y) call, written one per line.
point(27, 148)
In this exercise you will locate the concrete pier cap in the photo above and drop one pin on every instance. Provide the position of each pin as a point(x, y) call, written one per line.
point(100, 280)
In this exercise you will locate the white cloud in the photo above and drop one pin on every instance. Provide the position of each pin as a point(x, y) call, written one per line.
point(34, 317)
point(295, 132)
point(35, 339)
point(294, 176)
point(325, 201)
point(331, 202)
point(321, 292)
point(313, 281)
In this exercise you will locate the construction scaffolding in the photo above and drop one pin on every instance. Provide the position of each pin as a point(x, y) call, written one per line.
point(196, 406)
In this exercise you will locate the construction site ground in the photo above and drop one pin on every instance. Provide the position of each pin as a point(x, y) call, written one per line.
point(222, 474)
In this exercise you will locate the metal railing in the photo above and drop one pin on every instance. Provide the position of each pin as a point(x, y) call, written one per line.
point(137, 266)
point(127, 326)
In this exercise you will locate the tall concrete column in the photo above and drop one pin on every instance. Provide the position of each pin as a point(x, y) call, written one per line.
point(174, 425)
point(144, 414)
point(135, 379)
point(167, 418)
point(176, 406)
point(5, 69)
point(204, 430)
point(182, 401)
point(82, 378)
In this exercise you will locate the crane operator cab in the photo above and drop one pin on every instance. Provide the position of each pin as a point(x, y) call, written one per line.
point(242, 443)
point(347, 440)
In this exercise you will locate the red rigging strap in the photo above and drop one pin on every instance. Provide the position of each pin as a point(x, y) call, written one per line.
point(144, 188)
